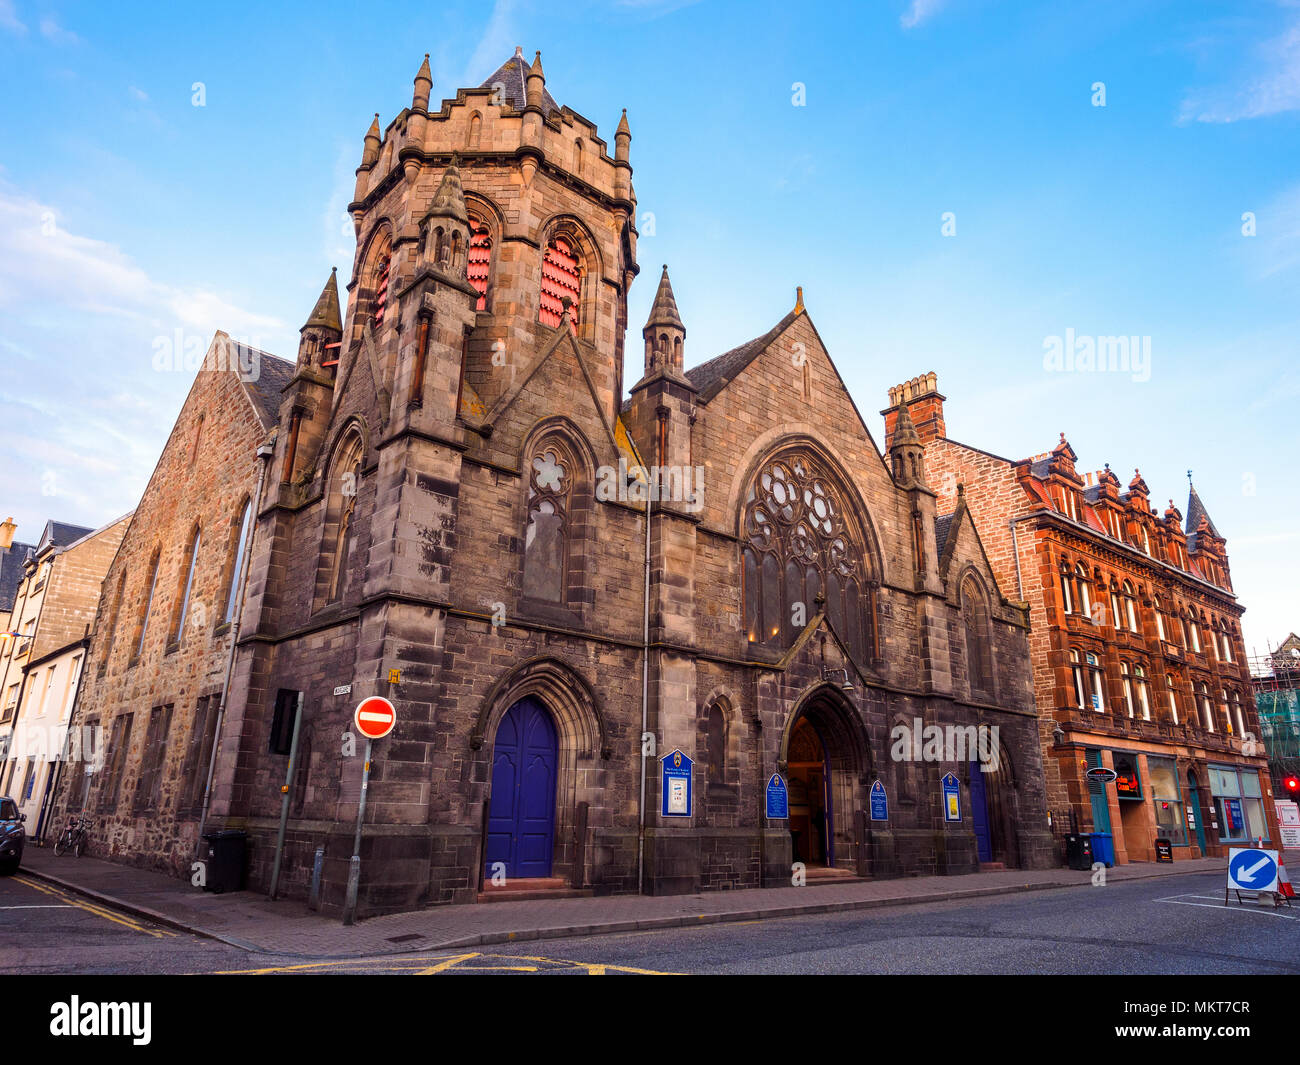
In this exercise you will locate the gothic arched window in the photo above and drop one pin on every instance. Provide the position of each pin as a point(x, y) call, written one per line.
point(801, 544)
point(340, 515)
point(715, 731)
point(187, 587)
point(975, 616)
point(561, 277)
point(479, 264)
point(550, 479)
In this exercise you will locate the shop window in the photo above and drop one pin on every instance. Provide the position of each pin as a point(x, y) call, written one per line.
point(1166, 799)
point(1128, 784)
point(1239, 804)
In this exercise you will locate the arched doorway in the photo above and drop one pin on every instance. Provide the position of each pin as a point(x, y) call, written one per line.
point(988, 811)
point(521, 809)
point(825, 758)
point(812, 836)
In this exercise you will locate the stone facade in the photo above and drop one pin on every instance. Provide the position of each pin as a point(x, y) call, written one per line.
point(1129, 606)
point(456, 517)
point(159, 649)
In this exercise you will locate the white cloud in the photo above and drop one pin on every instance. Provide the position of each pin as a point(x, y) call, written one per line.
point(1272, 87)
point(56, 34)
point(138, 94)
point(42, 264)
point(9, 19)
point(496, 44)
point(919, 12)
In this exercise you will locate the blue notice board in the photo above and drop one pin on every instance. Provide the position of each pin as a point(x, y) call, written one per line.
point(879, 802)
point(951, 798)
point(678, 799)
point(778, 798)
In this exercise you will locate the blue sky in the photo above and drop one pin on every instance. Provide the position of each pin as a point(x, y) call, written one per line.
point(127, 213)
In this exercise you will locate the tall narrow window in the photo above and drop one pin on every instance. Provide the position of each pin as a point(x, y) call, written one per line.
point(111, 785)
point(1206, 708)
point(1130, 607)
point(479, 263)
point(975, 616)
point(343, 502)
point(716, 738)
point(110, 628)
point(1160, 620)
point(1240, 713)
point(1143, 695)
point(1076, 676)
point(148, 605)
point(1127, 678)
point(1081, 583)
point(149, 785)
point(1118, 617)
point(183, 603)
point(1067, 600)
point(1095, 682)
point(545, 535)
point(561, 278)
point(1173, 699)
point(237, 566)
point(381, 291)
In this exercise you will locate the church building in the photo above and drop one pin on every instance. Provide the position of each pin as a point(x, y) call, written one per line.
point(574, 589)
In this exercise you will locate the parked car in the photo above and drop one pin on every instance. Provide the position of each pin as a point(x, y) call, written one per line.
point(12, 836)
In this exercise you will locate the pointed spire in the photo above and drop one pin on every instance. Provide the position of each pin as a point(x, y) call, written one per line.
point(326, 312)
point(423, 86)
point(536, 69)
point(623, 127)
point(664, 311)
point(905, 433)
point(370, 150)
point(449, 200)
point(1196, 512)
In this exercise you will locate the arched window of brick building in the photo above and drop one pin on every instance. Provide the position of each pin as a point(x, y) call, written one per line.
point(1076, 678)
point(182, 607)
point(562, 270)
point(1130, 607)
point(478, 268)
point(236, 567)
point(372, 306)
point(800, 542)
point(551, 469)
point(1173, 698)
point(1067, 590)
point(1081, 587)
point(1127, 677)
point(1239, 712)
point(1161, 631)
point(979, 654)
point(1143, 691)
point(142, 624)
point(1205, 706)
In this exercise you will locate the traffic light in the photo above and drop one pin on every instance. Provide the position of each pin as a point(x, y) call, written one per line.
point(1292, 785)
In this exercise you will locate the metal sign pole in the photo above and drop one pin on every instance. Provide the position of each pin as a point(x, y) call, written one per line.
point(354, 867)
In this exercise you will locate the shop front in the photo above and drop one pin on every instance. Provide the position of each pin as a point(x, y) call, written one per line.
point(1239, 803)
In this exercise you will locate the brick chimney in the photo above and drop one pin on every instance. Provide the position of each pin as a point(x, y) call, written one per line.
point(924, 405)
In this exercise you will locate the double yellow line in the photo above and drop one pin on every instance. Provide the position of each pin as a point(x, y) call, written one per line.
point(98, 911)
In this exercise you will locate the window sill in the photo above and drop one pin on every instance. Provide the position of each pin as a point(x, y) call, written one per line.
point(221, 629)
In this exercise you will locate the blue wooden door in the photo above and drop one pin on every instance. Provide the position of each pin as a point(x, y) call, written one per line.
point(980, 812)
point(521, 812)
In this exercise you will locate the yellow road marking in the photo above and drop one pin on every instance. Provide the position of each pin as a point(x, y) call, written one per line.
point(98, 911)
point(419, 965)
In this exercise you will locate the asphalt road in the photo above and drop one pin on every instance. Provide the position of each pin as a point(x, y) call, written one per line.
point(1173, 925)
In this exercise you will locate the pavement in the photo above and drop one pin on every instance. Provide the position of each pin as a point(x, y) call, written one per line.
point(253, 922)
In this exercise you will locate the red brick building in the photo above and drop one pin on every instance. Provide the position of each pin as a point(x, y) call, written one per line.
point(1135, 637)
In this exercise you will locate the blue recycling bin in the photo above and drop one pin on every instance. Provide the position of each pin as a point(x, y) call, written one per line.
point(1103, 848)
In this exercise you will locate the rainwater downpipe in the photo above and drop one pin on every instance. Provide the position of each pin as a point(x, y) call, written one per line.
point(645, 690)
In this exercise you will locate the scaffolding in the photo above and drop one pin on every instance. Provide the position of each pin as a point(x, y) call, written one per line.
point(1275, 681)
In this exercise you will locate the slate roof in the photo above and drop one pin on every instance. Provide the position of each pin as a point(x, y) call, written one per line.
point(273, 374)
point(11, 572)
point(942, 526)
point(513, 76)
point(60, 534)
point(1195, 511)
point(712, 376)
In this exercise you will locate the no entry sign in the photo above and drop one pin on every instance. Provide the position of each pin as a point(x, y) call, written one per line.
point(375, 717)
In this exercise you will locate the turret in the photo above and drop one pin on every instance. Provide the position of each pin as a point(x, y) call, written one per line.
point(415, 123)
point(906, 452)
point(369, 157)
point(536, 83)
point(664, 333)
point(444, 229)
point(318, 346)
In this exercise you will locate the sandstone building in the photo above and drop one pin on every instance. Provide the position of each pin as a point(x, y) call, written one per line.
point(455, 516)
point(1138, 659)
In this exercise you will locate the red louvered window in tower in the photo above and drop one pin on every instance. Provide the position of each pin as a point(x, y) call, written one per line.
point(479, 261)
point(561, 276)
point(381, 291)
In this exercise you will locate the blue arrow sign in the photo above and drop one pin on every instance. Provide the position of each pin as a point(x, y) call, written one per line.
point(1252, 870)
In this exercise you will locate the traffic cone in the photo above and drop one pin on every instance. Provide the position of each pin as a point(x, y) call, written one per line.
point(1284, 887)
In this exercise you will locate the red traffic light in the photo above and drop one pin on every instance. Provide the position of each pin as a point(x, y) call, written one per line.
point(1292, 784)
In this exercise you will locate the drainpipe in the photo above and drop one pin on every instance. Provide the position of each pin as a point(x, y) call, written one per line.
point(264, 453)
point(645, 693)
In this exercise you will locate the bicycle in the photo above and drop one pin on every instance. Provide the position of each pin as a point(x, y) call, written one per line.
point(73, 837)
